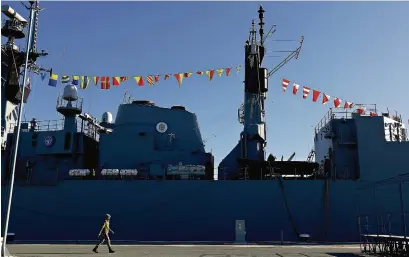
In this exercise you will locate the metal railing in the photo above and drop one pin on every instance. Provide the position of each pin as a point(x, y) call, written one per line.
point(57, 125)
point(74, 104)
point(347, 113)
point(45, 125)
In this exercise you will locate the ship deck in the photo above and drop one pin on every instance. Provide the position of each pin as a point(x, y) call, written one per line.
point(80, 250)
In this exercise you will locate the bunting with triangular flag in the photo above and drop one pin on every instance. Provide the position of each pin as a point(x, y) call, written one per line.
point(228, 71)
point(295, 88)
point(348, 105)
point(325, 98)
point(179, 78)
point(105, 82)
point(284, 84)
point(337, 102)
point(76, 80)
point(149, 79)
point(95, 79)
point(65, 79)
point(305, 91)
point(315, 95)
point(210, 74)
point(116, 81)
point(84, 82)
point(139, 80)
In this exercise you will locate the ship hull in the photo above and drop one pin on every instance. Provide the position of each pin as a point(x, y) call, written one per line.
point(185, 210)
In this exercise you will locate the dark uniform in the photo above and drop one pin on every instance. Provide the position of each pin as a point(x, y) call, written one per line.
point(104, 235)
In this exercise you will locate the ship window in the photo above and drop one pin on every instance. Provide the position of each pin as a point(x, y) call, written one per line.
point(67, 142)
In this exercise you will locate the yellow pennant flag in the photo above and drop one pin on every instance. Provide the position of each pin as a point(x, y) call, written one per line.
point(238, 69)
point(220, 72)
point(187, 74)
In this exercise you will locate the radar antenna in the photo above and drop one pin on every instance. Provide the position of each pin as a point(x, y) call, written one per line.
point(32, 65)
point(293, 54)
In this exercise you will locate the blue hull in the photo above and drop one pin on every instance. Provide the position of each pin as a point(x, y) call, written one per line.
point(189, 210)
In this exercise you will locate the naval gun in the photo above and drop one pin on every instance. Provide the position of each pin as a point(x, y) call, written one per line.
point(247, 159)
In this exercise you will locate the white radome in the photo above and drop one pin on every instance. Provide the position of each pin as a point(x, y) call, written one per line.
point(70, 93)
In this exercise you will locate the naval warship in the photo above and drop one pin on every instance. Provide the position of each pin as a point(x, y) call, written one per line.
point(154, 176)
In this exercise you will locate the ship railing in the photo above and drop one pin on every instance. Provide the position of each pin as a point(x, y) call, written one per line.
point(345, 113)
point(55, 125)
point(44, 125)
point(384, 233)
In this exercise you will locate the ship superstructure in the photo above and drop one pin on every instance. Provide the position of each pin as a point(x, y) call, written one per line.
point(157, 182)
point(12, 65)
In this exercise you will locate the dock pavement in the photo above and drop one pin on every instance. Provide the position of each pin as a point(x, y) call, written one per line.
point(81, 250)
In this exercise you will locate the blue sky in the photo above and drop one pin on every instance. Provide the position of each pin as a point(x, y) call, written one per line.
point(357, 51)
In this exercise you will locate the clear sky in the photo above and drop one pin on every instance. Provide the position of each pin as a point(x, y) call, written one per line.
point(358, 51)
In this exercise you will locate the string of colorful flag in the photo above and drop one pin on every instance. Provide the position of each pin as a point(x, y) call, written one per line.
point(151, 80)
point(337, 102)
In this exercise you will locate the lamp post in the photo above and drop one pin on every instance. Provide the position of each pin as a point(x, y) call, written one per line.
point(20, 112)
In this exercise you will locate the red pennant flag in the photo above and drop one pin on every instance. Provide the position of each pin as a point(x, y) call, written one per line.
point(179, 78)
point(315, 95)
point(156, 78)
point(305, 92)
point(116, 81)
point(325, 98)
point(124, 78)
point(200, 73)
point(373, 114)
point(348, 105)
point(284, 84)
point(105, 82)
point(295, 88)
point(139, 80)
point(337, 102)
point(227, 71)
point(150, 80)
point(210, 74)
point(167, 76)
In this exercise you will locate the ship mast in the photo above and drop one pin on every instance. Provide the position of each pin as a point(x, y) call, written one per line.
point(252, 112)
